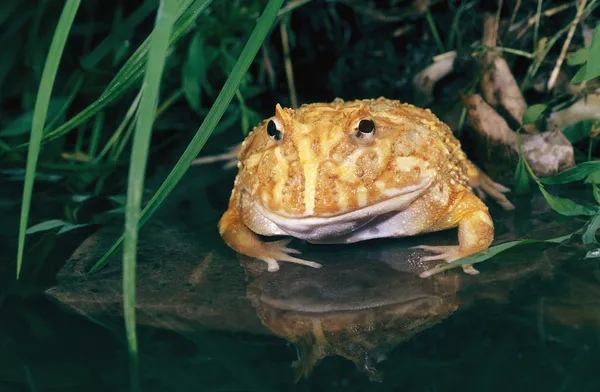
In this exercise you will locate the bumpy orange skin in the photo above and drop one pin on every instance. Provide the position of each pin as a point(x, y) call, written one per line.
point(322, 183)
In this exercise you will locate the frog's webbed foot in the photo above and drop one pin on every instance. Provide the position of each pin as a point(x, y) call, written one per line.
point(446, 254)
point(230, 157)
point(244, 241)
point(278, 251)
point(475, 233)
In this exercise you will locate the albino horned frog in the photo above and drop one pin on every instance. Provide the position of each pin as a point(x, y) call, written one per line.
point(344, 172)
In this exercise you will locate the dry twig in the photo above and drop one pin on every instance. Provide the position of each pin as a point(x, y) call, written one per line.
point(289, 71)
point(565, 48)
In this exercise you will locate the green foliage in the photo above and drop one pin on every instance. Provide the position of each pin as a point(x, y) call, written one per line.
point(157, 51)
point(589, 236)
point(104, 130)
point(39, 115)
point(209, 124)
point(576, 173)
point(494, 250)
point(590, 58)
point(533, 113)
point(579, 131)
point(521, 180)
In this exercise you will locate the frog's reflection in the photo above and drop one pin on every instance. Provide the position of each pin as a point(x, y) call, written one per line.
point(368, 298)
point(357, 309)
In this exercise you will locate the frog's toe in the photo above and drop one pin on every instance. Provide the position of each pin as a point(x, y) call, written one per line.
point(444, 253)
point(447, 254)
point(487, 186)
point(282, 245)
point(278, 251)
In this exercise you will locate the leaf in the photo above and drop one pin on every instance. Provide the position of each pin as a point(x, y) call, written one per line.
point(567, 206)
point(45, 226)
point(246, 58)
point(22, 124)
point(578, 131)
point(573, 174)
point(596, 192)
point(580, 76)
point(128, 75)
point(593, 178)
point(521, 179)
point(533, 113)
point(157, 54)
point(118, 34)
point(39, 115)
point(494, 250)
point(579, 57)
point(70, 226)
point(592, 254)
point(589, 236)
point(592, 66)
point(193, 72)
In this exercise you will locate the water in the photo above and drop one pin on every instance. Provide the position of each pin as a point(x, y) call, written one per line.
point(210, 321)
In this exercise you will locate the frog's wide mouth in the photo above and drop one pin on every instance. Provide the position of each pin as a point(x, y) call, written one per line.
point(397, 200)
point(319, 227)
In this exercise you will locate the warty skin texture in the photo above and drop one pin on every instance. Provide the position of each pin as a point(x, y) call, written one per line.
point(344, 172)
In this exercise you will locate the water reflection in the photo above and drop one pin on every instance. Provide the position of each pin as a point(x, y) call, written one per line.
point(365, 301)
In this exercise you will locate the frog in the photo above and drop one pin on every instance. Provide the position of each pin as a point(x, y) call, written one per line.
point(347, 171)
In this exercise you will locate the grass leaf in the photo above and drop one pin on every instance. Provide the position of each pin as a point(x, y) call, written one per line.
point(157, 54)
point(589, 236)
point(22, 124)
point(567, 206)
point(579, 131)
point(592, 66)
point(573, 174)
point(39, 115)
point(580, 75)
point(494, 250)
point(533, 113)
point(193, 72)
point(596, 192)
point(128, 75)
point(521, 179)
point(118, 34)
point(210, 122)
point(579, 57)
point(46, 225)
point(593, 254)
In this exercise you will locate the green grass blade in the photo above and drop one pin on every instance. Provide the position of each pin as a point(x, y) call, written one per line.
point(128, 75)
point(494, 250)
point(576, 173)
point(39, 115)
point(113, 39)
point(157, 54)
point(208, 125)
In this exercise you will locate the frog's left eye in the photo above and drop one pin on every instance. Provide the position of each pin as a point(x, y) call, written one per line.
point(364, 132)
point(274, 130)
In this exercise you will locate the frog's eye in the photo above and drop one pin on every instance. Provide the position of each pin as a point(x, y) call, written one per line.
point(274, 130)
point(364, 132)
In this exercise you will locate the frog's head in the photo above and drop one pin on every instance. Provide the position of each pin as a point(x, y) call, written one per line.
point(325, 159)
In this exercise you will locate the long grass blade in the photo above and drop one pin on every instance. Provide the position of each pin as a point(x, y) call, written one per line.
point(39, 115)
point(128, 75)
point(157, 54)
point(256, 39)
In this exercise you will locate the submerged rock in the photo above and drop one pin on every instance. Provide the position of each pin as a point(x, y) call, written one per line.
point(365, 300)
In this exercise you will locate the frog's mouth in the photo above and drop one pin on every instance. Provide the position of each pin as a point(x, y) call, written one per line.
point(320, 228)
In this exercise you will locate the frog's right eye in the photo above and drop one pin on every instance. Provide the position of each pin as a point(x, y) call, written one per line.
point(274, 130)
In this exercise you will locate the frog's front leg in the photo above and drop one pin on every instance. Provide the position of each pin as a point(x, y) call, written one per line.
point(243, 240)
point(475, 233)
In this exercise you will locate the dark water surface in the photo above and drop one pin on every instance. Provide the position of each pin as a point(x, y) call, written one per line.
point(210, 320)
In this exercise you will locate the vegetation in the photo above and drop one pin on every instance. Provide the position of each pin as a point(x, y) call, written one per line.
point(95, 98)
